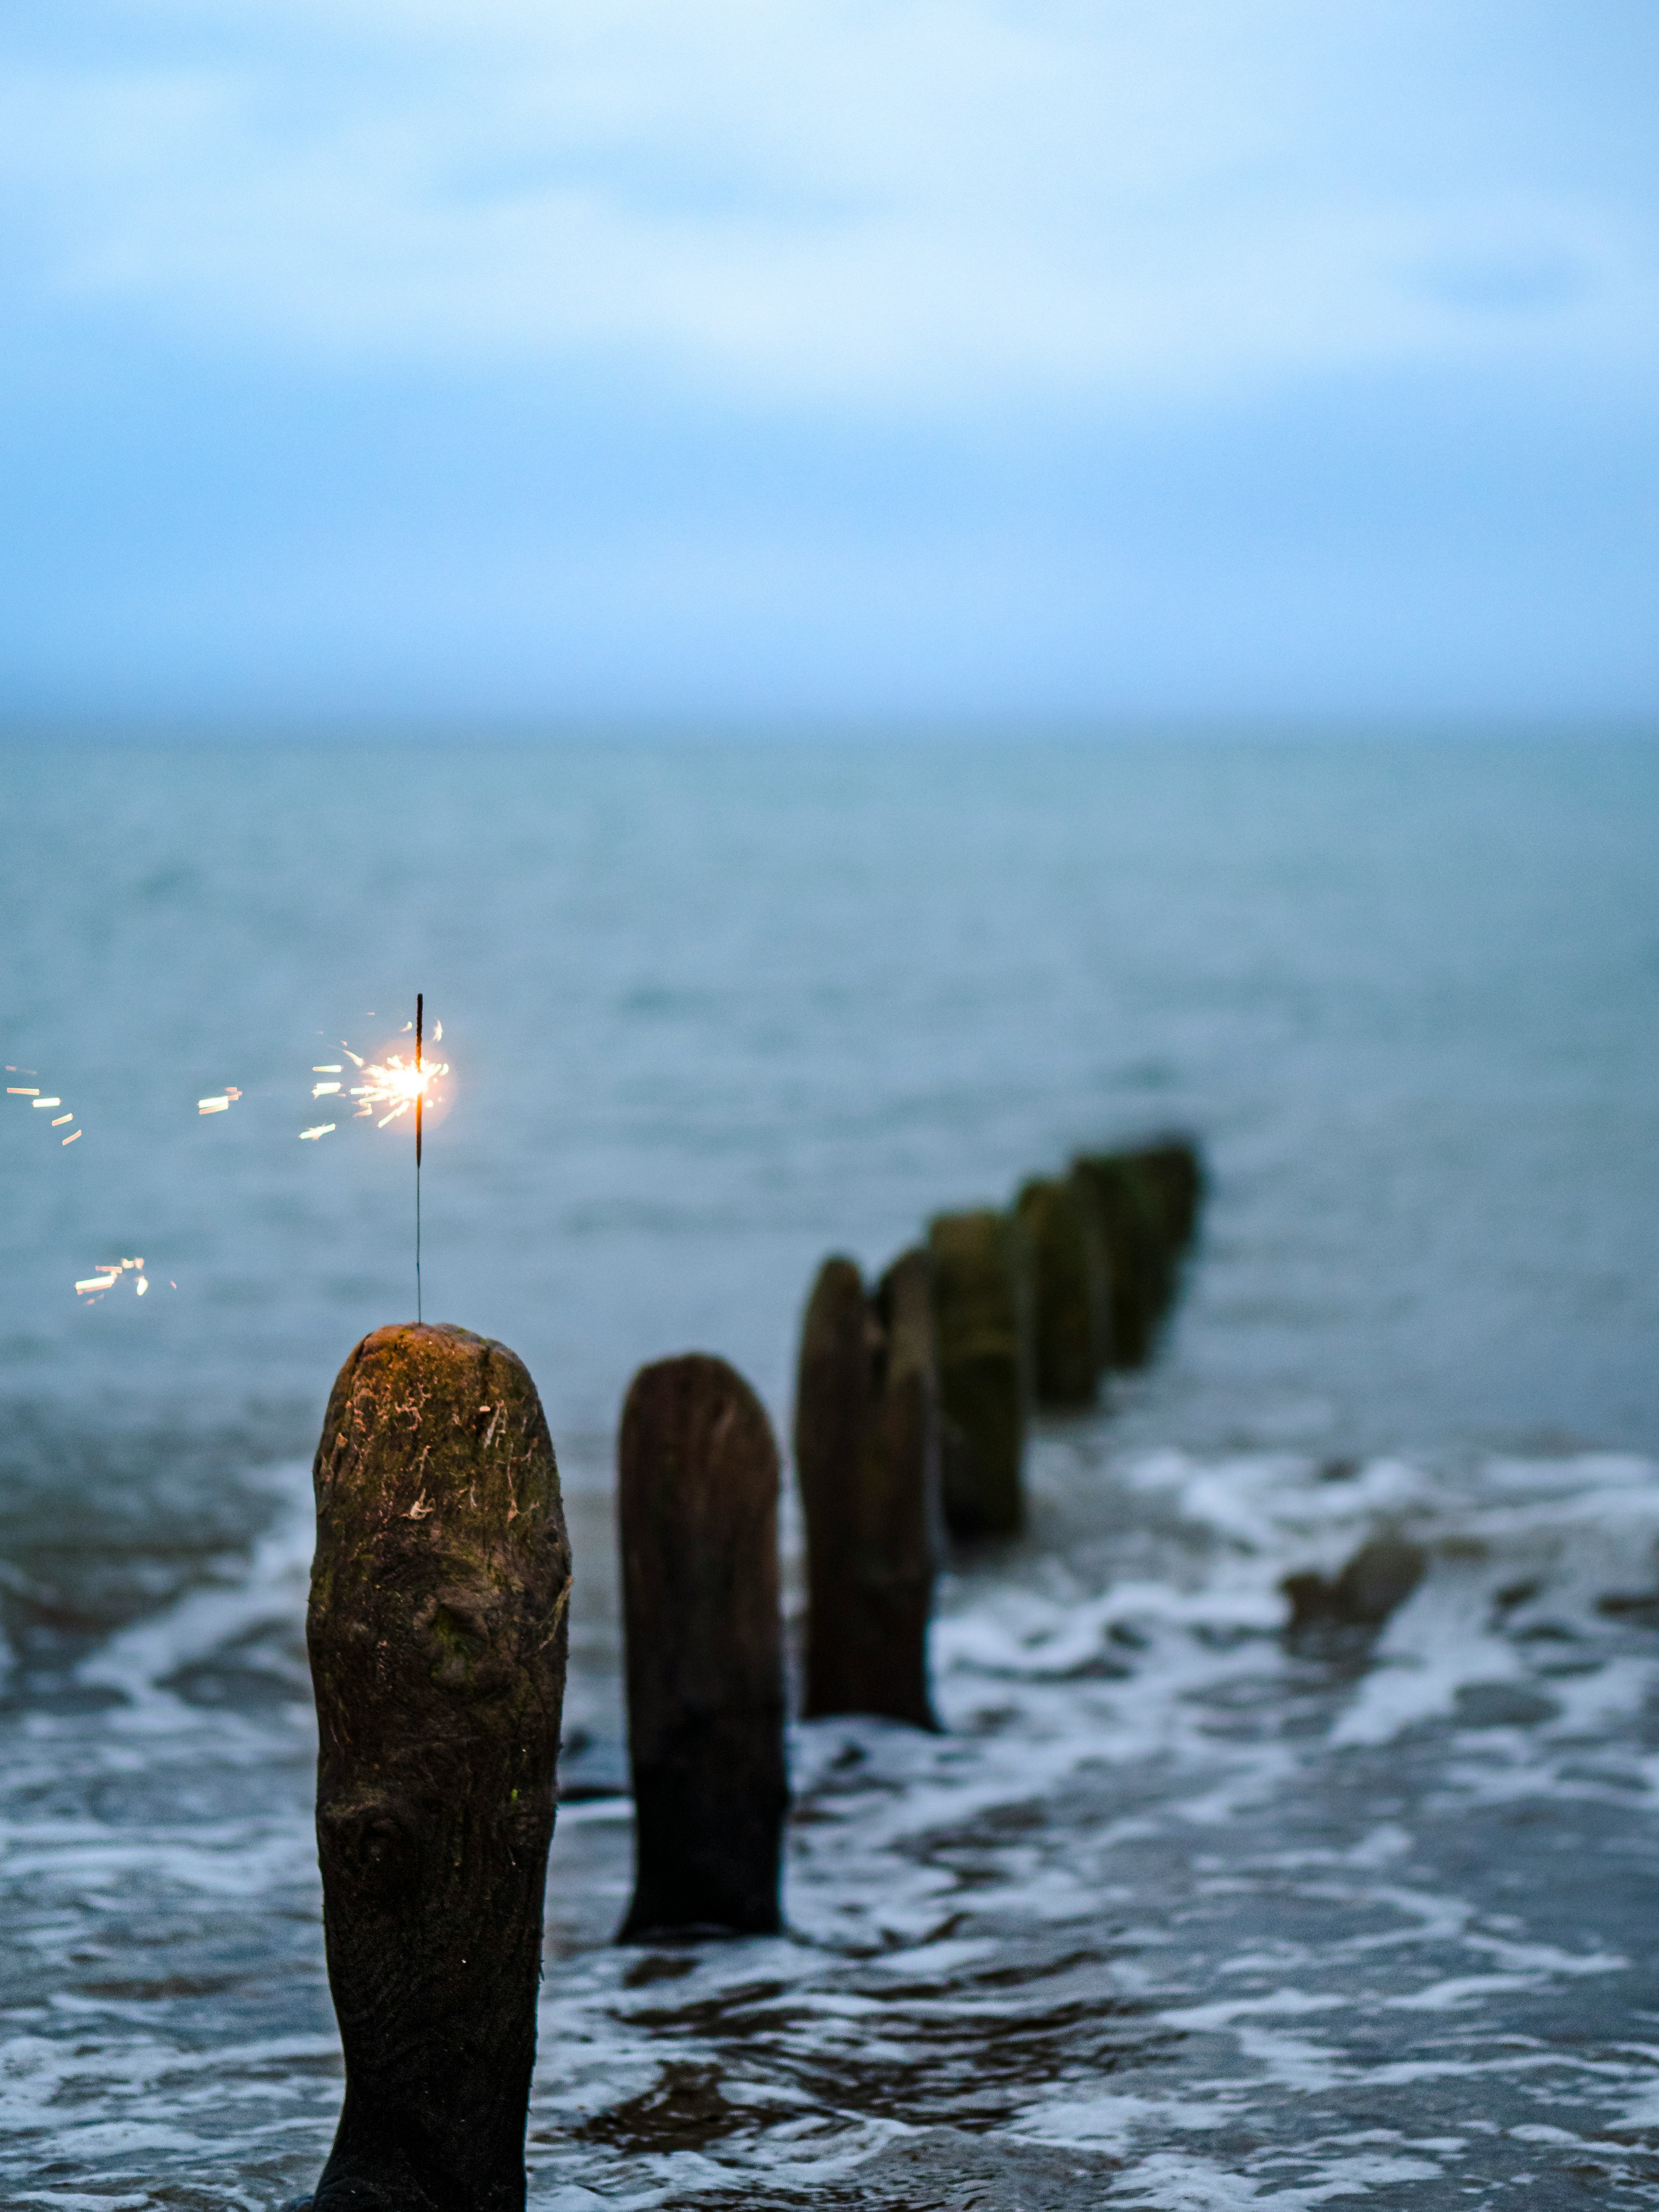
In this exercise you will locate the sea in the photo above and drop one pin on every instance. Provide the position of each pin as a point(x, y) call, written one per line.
point(1178, 1910)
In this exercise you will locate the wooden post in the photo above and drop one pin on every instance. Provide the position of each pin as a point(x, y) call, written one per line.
point(697, 1505)
point(436, 1631)
point(1176, 1167)
point(1071, 1316)
point(868, 1459)
point(834, 1390)
point(1139, 1262)
point(982, 1325)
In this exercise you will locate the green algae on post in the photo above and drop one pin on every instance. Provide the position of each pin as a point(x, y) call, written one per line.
point(697, 1519)
point(437, 1630)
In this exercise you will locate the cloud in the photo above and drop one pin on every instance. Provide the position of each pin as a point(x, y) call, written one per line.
point(930, 203)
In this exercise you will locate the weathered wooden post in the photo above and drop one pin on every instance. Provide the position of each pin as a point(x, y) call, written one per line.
point(982, 1319)
point(1070, 1288)
point(697, 1508)
point(868, 1459)
point(436, 1631)
point(1137, 1259)
point(1176, 1167)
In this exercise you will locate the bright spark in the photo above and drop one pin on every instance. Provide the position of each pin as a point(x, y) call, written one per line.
point(387, 1089)
point(395, 1084)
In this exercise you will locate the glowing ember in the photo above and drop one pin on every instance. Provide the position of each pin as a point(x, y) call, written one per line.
point(321, 1130)
point(221, 1103)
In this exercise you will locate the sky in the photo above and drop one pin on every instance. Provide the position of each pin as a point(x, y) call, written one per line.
point(385, 360)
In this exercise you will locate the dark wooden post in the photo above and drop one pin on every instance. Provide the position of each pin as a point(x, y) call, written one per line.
point(905, 1505)
point(834, 1385)
point(1071, 1317)
point(436, 1631)
point(1176, 1167)
point(1138, 1260)
point(698, 1506)
point(981, 1321)
point(866, 1455)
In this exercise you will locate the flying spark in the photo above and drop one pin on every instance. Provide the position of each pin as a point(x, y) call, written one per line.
point(39, 1102)
point(110, 1272)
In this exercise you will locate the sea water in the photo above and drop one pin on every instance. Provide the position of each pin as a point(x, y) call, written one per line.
point(1177, 1912)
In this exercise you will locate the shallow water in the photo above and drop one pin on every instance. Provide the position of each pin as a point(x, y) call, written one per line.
point(1177, 1912)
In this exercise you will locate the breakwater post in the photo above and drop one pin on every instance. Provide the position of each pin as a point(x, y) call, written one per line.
point(697, 1505)
point(982, 1320)
point(1070, 1288)
point(1140, 1264)
point(436, 1631)
point(868, 1459)
point(1176, 1167)
point(1146, 1203)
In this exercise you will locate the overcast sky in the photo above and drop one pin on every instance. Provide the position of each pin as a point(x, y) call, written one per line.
point(800, 358)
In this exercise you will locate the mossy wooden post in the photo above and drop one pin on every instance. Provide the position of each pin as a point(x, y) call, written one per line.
point(982, 1327)
point(905, 1505)
point(868, 1459)
point(436, 1631)
point(1176, 1169)
point(697, 1508)
point(834, 1388)
point(1136, 1257)
point(1071, 1321)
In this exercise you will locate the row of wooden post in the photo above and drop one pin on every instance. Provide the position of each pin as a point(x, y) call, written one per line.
point(438, 1615)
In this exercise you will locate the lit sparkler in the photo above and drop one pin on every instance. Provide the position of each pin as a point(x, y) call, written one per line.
point(385, 1090)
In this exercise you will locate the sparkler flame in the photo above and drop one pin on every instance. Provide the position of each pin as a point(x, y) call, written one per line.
point(385, 1089)
point(396, 1084)
point(385, 1092)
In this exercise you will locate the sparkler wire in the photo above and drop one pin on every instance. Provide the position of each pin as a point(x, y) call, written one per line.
point(420, 1006)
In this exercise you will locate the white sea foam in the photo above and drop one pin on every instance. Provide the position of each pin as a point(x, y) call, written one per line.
point(255, 1612)
point(1147, 1697)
